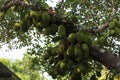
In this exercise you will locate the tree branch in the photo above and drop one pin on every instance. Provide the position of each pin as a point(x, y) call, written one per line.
point(60, 5)
point(105, 25)
point(8, 5)
point(108, 59)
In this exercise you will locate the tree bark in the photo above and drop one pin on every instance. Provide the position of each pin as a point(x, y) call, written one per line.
point(108, 59)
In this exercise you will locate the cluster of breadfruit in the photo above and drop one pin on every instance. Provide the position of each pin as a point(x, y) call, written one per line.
point(70, 55)
point(114, 28)
point(43, 21)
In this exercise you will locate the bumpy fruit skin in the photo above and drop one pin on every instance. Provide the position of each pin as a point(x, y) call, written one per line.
point(71, 38)
point(85, 49)
point(46, 17)
point(81, 68)
point(70, 64)
point(17, 26)
point(54, 28)
point(33, 14)
point(61, 31)
point(102, 41)
point(1, 16)
point(47, 31)
point(78, 51)
point(24, 25)
point(112, 32)
point(70, 51)
point(111, 25)
point(62, 64)
point(80, 37)
point(117, 29)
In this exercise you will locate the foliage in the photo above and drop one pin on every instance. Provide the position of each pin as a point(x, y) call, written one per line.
point(23, 69)
point(70, 30)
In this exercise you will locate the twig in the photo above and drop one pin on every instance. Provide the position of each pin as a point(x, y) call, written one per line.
point(60, 5)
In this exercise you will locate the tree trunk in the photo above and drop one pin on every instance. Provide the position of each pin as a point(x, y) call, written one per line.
point(108, 59)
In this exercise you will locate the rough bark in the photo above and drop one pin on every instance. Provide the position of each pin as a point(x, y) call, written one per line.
point(108, 59)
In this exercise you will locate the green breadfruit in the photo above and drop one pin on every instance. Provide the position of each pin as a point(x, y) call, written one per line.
point(80, 37)
point(54, 28)
point(112, 32)
point(53, 73)
point(81, 68)
point(51, 59)
point(87, 39)
point(33, 14)
point(47, 31)
point(24, 25)
point(117, 30)
point(17, 26)
point(78, 51)
point(102, 41)
point(61, 31)
point(116, 22)
point(85, 49)
point(62, 64)
point(71, 38)
point(1, 16)
point(53, 18)
point(46, 17)
point(70, 64)
point(70, 51)
point(111, 25)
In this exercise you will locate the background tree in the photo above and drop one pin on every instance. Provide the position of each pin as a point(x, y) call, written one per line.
point(23, 69)
point(79, 36)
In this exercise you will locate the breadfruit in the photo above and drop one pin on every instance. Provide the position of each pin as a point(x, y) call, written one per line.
point(81, 68)
point(70, 51)
point(112, 32)
point(51, 59)
point(117, 30)
point(85, 49)
point(17, 26)
point(47, 31)
point(1, 16)
point(71, 38)
point(80, 37)
point(70, 64)
point(102, 41)
point(87, 39)
point(24, 25)
point(111, 25)
point(62, 64)
point(78, 51)
point(61, 31)
point(46, 17)
point(33, 14)
point(54, 29)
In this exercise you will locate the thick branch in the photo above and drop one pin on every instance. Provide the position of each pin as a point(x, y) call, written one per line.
point(107, 59)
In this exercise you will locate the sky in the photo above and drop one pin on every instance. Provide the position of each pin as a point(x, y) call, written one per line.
point(19, 53)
